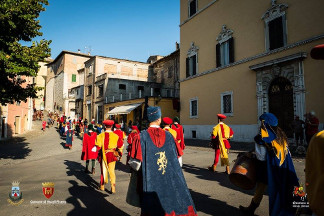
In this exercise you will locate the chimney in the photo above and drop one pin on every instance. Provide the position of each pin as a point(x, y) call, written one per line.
point(79, 51)
point(177, 46)
point(88, 53)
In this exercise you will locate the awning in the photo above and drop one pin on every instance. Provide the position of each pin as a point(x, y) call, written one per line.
point(124, 109)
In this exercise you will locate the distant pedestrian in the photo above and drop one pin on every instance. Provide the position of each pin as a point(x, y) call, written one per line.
point(130, 139)
point(298, 128)
point(69, 136)
point(44, 125)
point(89, 151)
point(312, 123)
point(220, 135)
point(167, 127)
point(179, 129)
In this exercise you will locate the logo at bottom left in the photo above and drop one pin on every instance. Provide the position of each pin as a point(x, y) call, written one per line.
point(15, 196)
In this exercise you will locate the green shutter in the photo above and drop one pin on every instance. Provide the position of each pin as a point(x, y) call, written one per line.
point(73, 77)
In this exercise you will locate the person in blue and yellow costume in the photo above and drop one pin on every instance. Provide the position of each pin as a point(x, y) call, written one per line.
point(163, 189)
point(280, 175)
point(107, 144)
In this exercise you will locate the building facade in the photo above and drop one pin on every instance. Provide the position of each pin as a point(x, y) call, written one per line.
point(246, 58)
point(17, 118)
point(62, 75)
point(98, 71)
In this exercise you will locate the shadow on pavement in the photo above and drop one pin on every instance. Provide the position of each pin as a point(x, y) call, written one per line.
point(220, 177)
point(122, 167)
point(15, 148)
point(63, 145)
point(93, 200)
point(211, 206)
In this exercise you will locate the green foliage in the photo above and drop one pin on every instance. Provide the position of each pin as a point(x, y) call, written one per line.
point(18, 22)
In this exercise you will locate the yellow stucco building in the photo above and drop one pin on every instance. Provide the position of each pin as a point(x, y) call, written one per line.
point(243, 58)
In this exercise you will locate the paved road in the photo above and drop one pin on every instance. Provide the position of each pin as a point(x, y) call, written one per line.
point(44, 159)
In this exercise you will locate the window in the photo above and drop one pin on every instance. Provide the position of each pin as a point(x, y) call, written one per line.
point(122, 87)
point(194, 108)
point(170, 72)
point(225, 47)
point(192, 7)
point(140, 91)
point(276, 33)
point(193, 134)
point(73, 77)
point(157, 91)
point(275, 26)
point(227, 103)
point(89, 90)
point(100, 90)
point(191, 65)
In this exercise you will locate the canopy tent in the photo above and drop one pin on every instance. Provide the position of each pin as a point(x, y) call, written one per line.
point(124, 109)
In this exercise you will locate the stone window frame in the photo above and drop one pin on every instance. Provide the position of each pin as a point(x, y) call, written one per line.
point(276, 11)
point(193, 51)
point(222, 103)
point(189, 12)
point(225, 42)
point(190, 107)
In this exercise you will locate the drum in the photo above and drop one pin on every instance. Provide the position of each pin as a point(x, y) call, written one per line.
point(243, 174)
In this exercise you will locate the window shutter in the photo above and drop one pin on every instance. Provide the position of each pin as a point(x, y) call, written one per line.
point(194, 62)
point(218, 55)
point(231, 50)
point(187, 67)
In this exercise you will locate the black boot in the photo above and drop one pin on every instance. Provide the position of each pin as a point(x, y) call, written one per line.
point(250, 209)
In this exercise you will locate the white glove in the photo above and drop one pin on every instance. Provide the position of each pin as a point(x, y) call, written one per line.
point(94, 149)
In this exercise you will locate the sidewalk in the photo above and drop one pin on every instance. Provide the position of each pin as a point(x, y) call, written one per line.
point(33, 145)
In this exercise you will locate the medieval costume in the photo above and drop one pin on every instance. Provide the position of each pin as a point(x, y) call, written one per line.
point(108, 153)
point(69, 136)
point(167, 122)
point(315, 173)
point(130, 138)
point(122, 136)
point(179, 129)
point(43, 125)
point(88, 150)
point(281, 175)
point(220, 135)
point(163, 189)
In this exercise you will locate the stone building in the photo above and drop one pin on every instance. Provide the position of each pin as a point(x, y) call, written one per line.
point(62, 75)
point(126, 99)
point(252, 58)
point(98, 71)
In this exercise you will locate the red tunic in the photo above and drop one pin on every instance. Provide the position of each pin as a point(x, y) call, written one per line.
point(180, 138)
point(178, 147)
point(121, 135)
point(88, 143)
point(109, 155)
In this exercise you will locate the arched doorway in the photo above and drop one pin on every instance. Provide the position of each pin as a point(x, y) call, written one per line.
point(281, 103)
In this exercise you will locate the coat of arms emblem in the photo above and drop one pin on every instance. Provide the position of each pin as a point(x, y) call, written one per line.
point(15, 196)
point(48, 189)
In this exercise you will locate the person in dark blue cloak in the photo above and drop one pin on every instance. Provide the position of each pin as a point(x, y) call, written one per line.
point(280, 173)
point(162, 188)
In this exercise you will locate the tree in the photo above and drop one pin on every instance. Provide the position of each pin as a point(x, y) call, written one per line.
point(18, 22)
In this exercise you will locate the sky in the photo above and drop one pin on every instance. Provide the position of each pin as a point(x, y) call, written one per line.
point(126, 29)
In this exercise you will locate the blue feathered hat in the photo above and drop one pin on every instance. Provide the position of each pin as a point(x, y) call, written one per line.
point(153, 113)
point(268, 120)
